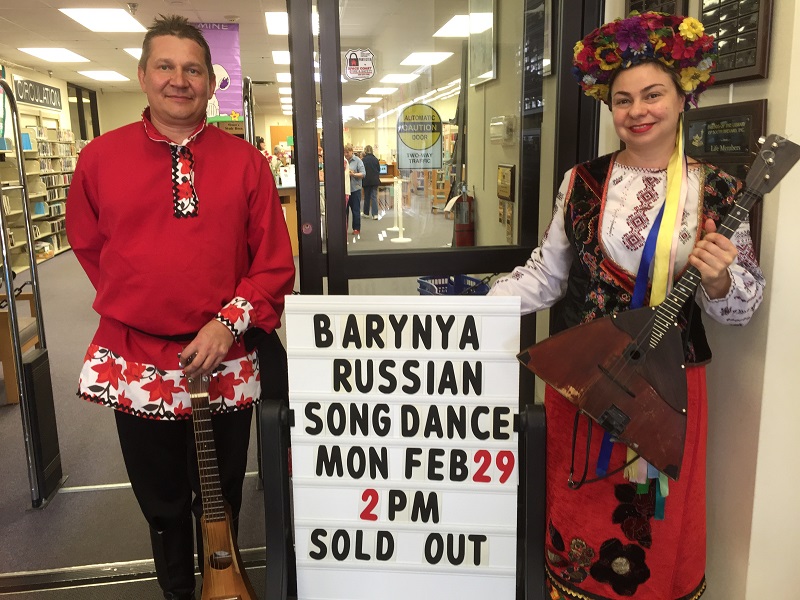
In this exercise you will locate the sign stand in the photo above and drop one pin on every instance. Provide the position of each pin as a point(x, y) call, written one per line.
point(281, 578)
point(395, 196)
point(398, 215)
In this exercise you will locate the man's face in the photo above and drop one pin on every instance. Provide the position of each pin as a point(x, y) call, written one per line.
point(348, 154)
point(176, 82)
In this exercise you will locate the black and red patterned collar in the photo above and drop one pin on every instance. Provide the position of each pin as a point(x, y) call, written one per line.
point(185, 202)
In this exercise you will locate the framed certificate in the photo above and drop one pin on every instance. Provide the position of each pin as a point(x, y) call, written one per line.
point(505, 182)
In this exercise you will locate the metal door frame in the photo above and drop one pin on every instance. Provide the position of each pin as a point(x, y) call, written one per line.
point(576, 141)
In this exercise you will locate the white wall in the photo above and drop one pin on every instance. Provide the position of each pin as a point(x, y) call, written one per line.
point(753, 447)
point(115, 109)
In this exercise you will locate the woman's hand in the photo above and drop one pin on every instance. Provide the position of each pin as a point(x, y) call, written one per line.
point(204, 353)
point(712, 256)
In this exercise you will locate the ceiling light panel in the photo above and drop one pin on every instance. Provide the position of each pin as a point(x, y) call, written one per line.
point(283, 77)
point(105, 19)
point(367, 100)
point(280, 57)
point(457, 27)
point(480, 22)
point(56, 55)
point(104, 75)
point(400, 78)
point(278, 22)
point(425, 59)
point(381, 91)
point(285, 91)
point(134, 52)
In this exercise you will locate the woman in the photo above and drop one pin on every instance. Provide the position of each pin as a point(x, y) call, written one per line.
point(261, 144)
point(634, 532)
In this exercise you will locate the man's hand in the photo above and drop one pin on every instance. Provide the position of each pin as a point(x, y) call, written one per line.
point(712, 256)
point(202, 355)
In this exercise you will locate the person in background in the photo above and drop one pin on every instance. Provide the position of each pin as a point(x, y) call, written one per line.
point(277, 160)
point(634, 533)
point(187, 251)
point(372, 179)
point(355, 169)
point(261, 144)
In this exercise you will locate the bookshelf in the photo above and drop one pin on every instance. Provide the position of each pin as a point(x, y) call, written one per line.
point(49, 156)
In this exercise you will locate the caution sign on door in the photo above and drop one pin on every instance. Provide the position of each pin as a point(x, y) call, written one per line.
point(419, 138)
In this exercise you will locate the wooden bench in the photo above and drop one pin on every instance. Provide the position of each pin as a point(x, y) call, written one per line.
point(29, 338)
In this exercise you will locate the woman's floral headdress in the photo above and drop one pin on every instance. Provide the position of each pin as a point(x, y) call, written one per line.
point(677, 42)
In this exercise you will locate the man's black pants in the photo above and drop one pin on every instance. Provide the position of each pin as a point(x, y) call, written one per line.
point(161, 461)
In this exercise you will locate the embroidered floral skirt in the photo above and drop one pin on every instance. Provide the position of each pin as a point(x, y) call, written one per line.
point(603, 541)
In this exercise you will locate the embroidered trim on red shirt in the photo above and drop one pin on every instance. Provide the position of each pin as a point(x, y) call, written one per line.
point(145, 391)
point(236, 316)
point(184, 196)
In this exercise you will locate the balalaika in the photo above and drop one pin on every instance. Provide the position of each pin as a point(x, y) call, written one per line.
point(224, 577)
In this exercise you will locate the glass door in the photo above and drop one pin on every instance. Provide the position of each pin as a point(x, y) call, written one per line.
point(429, 91)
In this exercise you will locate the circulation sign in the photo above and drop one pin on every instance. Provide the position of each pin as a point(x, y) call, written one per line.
point(39, 94)
point(404, 451)
point(419, 138)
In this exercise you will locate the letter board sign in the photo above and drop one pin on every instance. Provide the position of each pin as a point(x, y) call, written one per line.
point(404, 452)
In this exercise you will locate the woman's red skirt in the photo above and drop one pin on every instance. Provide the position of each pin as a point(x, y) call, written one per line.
point(603, 541)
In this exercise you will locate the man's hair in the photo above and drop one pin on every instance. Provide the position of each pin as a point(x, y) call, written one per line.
point(179, 27)
point(348, 147)
point(368, 149)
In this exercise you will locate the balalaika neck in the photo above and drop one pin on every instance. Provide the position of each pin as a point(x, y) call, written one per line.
point(667, 312)
point(211, 492)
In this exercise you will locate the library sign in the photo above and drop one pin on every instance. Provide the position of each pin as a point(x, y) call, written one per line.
point(33, 92)
point(404, 448)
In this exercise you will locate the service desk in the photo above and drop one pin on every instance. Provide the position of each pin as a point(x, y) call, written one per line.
point(288, 196)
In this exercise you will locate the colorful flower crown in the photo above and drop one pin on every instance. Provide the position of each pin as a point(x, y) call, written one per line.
point(677, 42)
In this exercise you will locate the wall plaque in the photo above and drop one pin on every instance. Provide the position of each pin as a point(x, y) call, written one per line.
point(727, 137)
point(741, 29)
point(505, 182)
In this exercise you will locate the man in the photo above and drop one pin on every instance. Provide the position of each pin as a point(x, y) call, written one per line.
point(372, 180)
point(179, 228)
point(356, 171)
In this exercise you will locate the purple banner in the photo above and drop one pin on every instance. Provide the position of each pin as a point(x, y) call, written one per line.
point(223, 39)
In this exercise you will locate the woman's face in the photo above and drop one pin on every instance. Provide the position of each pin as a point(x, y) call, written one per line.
point(646, 106)
point(262, 146)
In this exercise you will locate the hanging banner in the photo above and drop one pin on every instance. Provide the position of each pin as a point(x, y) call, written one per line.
point(223, 40)
point(419, 138)
point(359, 64)
point(404, 449)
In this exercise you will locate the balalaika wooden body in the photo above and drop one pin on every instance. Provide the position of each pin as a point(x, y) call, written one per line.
point(224, 577)
point(627, 371)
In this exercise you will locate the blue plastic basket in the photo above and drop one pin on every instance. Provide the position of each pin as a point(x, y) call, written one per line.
point(451, 286)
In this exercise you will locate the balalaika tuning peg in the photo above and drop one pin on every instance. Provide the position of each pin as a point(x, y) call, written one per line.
point(761, 140)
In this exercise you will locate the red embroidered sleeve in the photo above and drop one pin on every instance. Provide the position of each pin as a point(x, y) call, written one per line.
point(236, 316)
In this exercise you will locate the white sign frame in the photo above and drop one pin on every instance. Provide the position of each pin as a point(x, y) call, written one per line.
point(476, 514)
